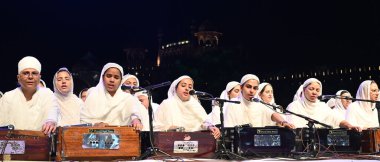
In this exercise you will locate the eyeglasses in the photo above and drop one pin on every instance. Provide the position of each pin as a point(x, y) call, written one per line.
point(28, 73)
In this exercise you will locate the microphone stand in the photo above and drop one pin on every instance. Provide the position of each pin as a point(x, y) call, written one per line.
point(310, 124)
point(223, 151)
point(152, 150)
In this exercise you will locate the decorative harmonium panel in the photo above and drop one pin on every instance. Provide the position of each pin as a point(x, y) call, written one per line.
point(334, 140)
point(200, 144)
point(370, 141)
point(253, 141)
point(24, 145)
point(97, 143)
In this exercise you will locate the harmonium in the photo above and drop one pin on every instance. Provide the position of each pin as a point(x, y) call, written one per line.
point(370, 141)
point(97, 143)
point(333, 140)
point(25, 145)
point(263, 141)
point(199, 144)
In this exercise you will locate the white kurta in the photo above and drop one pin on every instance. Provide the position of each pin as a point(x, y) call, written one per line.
point(174, 112)
point(28, 115)
point(100, 106)
point(69, 110)
point(362, 117)
point(319, 111)
point(119, 110)
point(360, 113)
point(247, 112)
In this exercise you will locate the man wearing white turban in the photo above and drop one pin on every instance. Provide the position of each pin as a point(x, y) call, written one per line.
point(29, 107)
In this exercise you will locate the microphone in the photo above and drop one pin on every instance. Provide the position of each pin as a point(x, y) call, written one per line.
point(326, 97)
point(129, 87)
point(7, 127)
point(274, 106)
point(198, 93)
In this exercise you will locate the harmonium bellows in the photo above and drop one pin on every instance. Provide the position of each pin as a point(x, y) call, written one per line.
point(268, 141)
point(370, 141)
point(24, 145)
point(97, 143)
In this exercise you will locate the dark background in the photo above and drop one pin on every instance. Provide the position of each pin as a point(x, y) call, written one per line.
point(280, 35)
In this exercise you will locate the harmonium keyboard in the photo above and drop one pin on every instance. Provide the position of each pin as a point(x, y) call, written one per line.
point(370, 141)
point(262, 141)
point(333, 140)
point(97, 143)
point(24, 145)
point(199, 144)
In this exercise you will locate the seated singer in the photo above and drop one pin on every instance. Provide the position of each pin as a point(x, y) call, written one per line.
point(181, 109)
point(29, 107)
point(107, 104)
point(252, 113)
point(306, 103)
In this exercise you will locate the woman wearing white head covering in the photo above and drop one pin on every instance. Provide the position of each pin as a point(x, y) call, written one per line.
point(181, 109)
point(142, 96)
point(339, 104)
point(108, 104)
point(231, 92)
point(69, 104)
point(248, 112)
point(42, 83)
point(361, 113)
point(309, 105)
point(265, 94)
point(131, 80)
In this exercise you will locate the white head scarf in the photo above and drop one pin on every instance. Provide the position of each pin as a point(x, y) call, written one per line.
point(70, 105)
point(29, 62)
point(56, 90)
point(229, 87)
point(309, 106)
point(172, 90)
point(261, 88)
point(336, 103)
point(299, 94)
point(97, 96)
point(43, 83)
point(173, 111)
point(247, 77)
point(364, 93)
point(127, 76)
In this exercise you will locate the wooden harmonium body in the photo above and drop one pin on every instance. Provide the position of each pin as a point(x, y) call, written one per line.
point(370, 141)
point(97, 143)
point(268, 141)
point(334, 140)
point(24, 145)
point(199, 144)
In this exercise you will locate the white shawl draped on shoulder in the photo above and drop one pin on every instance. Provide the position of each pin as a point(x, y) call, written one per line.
point(100, 106)
point(360, 113)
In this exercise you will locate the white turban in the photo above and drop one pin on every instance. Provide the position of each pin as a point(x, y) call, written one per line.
point(29, 62)
point(249, 77)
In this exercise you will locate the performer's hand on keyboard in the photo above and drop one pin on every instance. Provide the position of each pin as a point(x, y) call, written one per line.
point(49, 127)
point(101, 124)
point(215, 131)
point(136, 123)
